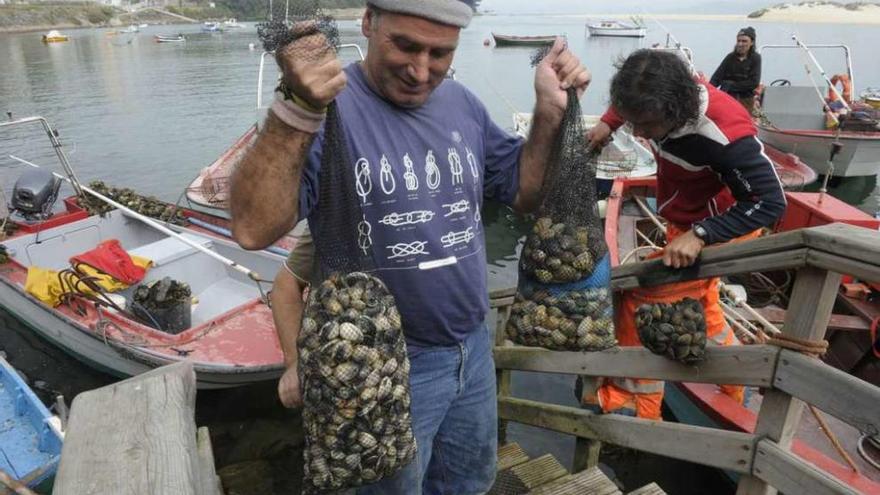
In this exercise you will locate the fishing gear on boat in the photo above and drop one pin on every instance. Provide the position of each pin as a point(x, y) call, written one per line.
point(161, 228)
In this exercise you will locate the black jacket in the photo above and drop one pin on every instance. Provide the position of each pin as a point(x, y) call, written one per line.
point(738, 77)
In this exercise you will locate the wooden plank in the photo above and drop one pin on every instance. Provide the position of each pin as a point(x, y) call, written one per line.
point(586, 454)
point(652, 273)
point(772, 244)
point(844, 323)
point(510, 455)
point(528, 475)
point(790, 474)
point(814, 293)
point(709, 446)
point(135, 436)
point(843, 264)
point(649, 489)
point(209, 482)
point(841, 395)
point(857, 243)
point(748, 365)
point(592, 481)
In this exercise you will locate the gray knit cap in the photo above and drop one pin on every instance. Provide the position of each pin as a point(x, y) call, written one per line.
point(452, 12)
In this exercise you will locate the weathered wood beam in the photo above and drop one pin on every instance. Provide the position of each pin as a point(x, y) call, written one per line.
point(708, 446)
point(841, 395)
point(135, 436)
point(844, 264)
point(747, 365)
point(790, 474)
point(857, 243)
point(651, 273)
point(811, 302)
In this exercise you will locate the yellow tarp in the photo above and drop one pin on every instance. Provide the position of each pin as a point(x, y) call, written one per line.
point(45, 285)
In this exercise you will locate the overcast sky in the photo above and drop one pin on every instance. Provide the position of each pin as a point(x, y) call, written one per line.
point(625, 6)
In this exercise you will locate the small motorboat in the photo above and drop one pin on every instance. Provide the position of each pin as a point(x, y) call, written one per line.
point(511, 40)
point(232, 23)
point(617, 29)
point(133, 28)
point(211, 27)
point(160, 38)
point(793, 119)
point(30, 437)
point(225, 328)
point(54, 36)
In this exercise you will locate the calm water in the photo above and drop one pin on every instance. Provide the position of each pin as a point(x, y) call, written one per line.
point(149, 116)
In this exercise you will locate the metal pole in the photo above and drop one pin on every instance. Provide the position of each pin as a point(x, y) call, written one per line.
point(821, 70)
point(56, 144)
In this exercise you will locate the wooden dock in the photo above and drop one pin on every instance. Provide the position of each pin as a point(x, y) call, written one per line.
point(138, 436)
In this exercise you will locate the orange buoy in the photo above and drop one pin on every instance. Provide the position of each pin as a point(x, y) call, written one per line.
point(844, 80)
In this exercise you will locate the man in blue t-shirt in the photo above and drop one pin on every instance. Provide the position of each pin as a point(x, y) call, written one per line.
point(424, 154)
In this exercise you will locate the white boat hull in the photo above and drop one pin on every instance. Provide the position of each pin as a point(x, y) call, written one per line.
point(860, 155)
point(638, 32)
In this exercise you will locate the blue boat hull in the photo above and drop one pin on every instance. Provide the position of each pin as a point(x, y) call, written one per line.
point(30, 448)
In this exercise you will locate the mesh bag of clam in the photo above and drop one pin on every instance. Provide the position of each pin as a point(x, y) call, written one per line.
point(353, 366)
point(676, 330)
point(563, 300)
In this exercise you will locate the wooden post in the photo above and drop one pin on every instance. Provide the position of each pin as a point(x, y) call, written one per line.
point(812, 300)
point(586, 454)
point(502, 377)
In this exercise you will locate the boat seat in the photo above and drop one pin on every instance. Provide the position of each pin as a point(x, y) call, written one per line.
point(169, 249)
point(793, 107)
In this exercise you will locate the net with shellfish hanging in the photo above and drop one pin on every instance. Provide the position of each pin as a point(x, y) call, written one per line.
point(563, 300)
point(353, 366)
point(676, 330)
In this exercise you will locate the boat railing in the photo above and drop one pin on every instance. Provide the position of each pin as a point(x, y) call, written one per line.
point(763, 459)
point(52, 134)
point(845, 48)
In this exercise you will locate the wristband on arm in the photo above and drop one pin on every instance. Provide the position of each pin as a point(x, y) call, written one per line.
point(296, 112)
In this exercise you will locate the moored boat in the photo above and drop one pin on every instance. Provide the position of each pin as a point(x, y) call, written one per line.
point(162, 38)
point(54, 36)
point(211, 27)
point(30, 437)
point(702, 404)
point(793, 120)
point(232, 23)
point(230, 335)
point(512, 40)
point(617, 29)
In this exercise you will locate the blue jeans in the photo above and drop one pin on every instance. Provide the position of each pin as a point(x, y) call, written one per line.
point(454, 418)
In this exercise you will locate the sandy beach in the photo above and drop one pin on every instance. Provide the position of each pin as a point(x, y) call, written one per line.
point(834, 14)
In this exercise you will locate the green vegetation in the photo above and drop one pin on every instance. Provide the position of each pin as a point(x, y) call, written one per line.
point(55, 14)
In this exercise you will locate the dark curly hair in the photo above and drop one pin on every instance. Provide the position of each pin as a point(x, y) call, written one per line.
point(656, 82)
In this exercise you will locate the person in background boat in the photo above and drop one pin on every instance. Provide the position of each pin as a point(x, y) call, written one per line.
point(714, 185)
point(432, 155)
point(740, 72)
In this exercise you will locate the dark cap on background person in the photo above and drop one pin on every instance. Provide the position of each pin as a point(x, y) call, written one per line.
point(453, 12)
point(747, 31)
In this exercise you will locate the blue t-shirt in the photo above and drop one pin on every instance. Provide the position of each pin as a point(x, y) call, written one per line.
point(421, 175)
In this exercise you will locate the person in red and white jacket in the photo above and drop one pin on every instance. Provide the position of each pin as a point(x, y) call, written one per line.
point(714, 180)
point(714, 184)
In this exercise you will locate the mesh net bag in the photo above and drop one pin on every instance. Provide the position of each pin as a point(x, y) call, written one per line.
point(352, 365)
point(563, 301)
point(676, 330)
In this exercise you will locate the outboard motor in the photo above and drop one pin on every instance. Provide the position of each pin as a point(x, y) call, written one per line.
point(35, 193)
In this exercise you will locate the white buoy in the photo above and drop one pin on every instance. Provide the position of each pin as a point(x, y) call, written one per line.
point(251, 46)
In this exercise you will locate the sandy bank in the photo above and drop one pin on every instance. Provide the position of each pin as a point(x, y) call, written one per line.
point(866, 14)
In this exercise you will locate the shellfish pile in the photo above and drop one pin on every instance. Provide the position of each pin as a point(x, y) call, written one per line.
point(675, 330)
point(557, 253)
point(576, 320)
point(148, 206)
point(354, 372)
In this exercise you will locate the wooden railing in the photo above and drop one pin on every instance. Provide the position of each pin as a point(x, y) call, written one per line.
point(789, 378)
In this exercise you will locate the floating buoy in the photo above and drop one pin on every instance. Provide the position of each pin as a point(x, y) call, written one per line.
point(251, 46)
point(486, 42)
